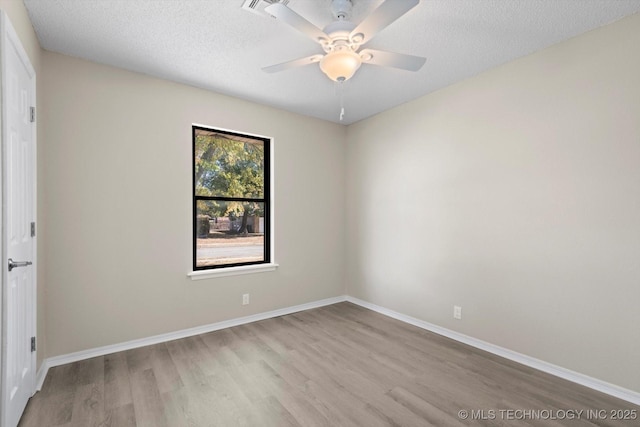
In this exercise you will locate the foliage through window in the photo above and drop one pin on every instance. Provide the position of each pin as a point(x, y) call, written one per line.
point(230, 199)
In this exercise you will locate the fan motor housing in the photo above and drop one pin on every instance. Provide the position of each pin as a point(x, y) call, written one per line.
point(339, 35)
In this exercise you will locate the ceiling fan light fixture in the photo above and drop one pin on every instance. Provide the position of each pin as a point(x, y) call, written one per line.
point(340, 65)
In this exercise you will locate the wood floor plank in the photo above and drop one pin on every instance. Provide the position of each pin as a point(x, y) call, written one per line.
point(147, 403)
point(138, 358)
point(122, 416)
point(220, 352)
point(236, 406)
point(90, 371)
point(274, 414)
point(88, 405)
point(49, 409)
point(299, 405)
point(175, 406)
point(423, 409)
point(362, 388)
point(164, 369)
point(117, 385)
point(339, 365)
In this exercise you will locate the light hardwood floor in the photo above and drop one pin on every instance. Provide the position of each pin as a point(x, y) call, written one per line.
point(340, 365)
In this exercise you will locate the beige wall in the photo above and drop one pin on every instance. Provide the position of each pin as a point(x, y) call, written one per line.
point(514, 194)
point(19, 18)
point(118, 203)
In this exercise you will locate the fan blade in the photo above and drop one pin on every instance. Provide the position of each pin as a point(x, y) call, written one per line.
point(380, 18)
point(291, 64)
point(392, 59)
point(282, 12)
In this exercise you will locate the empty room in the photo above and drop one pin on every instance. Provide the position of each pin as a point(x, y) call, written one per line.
point(320, 213)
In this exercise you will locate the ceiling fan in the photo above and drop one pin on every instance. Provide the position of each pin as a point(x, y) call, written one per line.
point(341, 40)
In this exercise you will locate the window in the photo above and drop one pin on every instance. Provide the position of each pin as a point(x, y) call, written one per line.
point(231, 223)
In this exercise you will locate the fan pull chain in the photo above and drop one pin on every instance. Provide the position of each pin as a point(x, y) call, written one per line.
point(341, 94)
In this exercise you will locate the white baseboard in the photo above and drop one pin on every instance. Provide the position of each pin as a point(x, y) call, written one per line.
point(156, 339)
point(41, 374)
point(576, 377)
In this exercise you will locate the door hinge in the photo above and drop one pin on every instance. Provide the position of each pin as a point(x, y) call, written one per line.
point(32, 114)
point(33, 229)
point(33, 344)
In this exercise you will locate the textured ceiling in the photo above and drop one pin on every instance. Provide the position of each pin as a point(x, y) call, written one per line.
point(216, 45)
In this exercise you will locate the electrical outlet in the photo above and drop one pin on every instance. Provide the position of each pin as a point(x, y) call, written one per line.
point(457, 312)
point(245, 299)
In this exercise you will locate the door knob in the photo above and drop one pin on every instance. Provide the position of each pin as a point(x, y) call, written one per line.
point(13, 264)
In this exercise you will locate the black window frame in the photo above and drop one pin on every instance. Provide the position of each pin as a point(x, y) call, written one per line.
point(266, 200)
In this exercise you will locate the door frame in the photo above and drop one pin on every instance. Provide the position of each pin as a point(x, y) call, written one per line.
point(9, 40)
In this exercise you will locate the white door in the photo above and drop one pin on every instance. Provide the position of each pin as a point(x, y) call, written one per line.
point(18, 213)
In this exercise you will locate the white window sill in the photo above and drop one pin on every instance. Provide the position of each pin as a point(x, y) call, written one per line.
point(232, 271)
